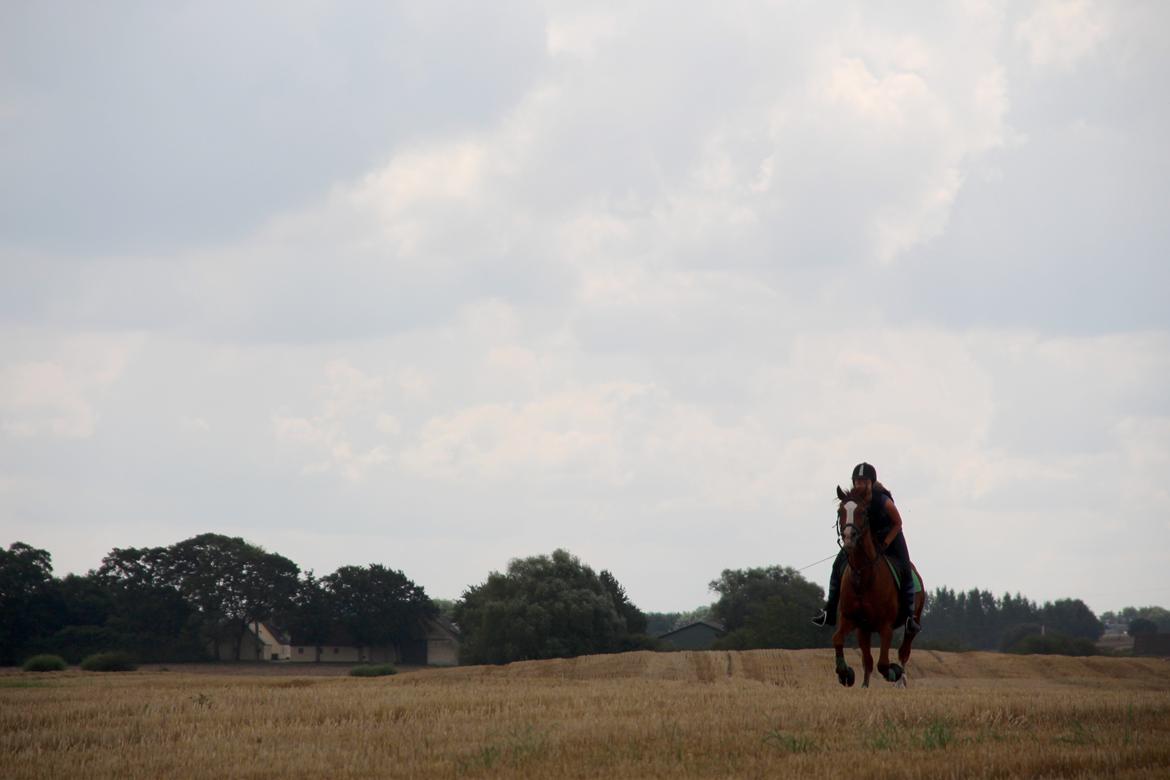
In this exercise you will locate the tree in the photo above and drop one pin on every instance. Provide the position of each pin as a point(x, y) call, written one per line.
point(309, 617)
point(231, 582)
point(542, 607)
point(1141, 626)
point(767, 607)
point(378, 606)
point(148, 615)
point(28, 599)
point(1072, 618)
point(86, 600)
point(635, 618)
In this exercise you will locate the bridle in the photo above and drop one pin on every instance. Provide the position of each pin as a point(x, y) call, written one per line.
point(859, 532)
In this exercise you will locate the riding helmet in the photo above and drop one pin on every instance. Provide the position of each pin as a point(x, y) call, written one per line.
point(865, 471)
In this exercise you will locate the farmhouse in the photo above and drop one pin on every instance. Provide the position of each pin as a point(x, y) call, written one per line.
point(266, 642)
point(700, 635)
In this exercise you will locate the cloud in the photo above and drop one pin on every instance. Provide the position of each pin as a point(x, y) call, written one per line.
point(1060, 33)
point(640, 284)
point(57, 396)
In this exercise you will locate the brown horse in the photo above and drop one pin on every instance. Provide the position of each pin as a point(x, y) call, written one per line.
point(869, 596)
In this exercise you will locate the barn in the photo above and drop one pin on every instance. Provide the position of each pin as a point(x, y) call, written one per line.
point(700, 635)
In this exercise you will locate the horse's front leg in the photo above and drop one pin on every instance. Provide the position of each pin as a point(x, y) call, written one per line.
point(845, 674)
point(891, 672)
point(864, 639)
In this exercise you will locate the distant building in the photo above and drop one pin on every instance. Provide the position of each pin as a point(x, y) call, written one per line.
point(265, 642)
point(700, 635)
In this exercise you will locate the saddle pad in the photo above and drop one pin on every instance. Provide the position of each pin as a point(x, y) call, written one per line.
point(898, 580)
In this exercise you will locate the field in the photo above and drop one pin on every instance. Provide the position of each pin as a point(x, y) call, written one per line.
point(764, 713)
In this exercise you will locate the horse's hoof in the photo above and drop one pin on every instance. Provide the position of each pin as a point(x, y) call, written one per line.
point(850, 677)
point(894, 673)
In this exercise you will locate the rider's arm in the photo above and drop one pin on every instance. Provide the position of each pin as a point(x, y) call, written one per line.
point(895, 522)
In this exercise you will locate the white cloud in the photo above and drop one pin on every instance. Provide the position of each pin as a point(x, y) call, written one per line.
point(1061, 33)
point(345, 434)
point(56, 396)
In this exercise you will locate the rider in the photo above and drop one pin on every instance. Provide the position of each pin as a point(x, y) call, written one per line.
point(886, 523)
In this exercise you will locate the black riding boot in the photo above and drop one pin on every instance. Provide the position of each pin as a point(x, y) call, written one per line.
point(898, 554)
point(908, 600)
point(828, 615)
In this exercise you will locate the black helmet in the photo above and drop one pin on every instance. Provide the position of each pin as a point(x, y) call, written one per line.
point(865, 471)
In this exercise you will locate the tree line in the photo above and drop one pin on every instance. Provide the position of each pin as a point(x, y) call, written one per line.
point(189, 600)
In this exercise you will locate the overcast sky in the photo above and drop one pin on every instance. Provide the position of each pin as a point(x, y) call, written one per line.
point(437, 285)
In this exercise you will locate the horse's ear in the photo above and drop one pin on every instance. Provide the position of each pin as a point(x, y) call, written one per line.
point(840, 493)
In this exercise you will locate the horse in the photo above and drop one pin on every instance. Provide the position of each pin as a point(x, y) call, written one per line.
point(869, 597)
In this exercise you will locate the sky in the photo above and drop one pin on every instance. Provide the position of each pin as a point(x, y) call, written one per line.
point(439, 285)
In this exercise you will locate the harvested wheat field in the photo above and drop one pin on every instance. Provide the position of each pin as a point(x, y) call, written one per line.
point(768, 713)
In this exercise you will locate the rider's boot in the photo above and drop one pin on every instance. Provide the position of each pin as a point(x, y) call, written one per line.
point(912, 624)
point(828, 615)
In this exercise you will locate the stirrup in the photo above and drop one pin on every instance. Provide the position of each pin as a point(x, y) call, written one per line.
point(821, 618)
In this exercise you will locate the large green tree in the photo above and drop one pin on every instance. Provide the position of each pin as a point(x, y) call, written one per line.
point(309, 617)
point(1072, 618)
point(377, 605)
point(231, 582)
point(545, 606)
point(148, 613)
point(29, 601)
point(767, 607)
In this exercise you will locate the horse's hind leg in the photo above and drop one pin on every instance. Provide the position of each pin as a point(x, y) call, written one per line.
point(907, 637)
point(864, 639)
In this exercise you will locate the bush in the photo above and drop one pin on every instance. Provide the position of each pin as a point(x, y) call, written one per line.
point(45, 663)
point(109, 662)
point(373, 670)
point(1053, 644)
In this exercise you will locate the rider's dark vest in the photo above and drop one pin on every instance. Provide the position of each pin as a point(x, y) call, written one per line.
point(879, 518)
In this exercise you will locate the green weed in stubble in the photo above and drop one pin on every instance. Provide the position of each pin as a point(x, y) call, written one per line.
point(884, 739)
point(937, 735)
point(1077, 735)
point(790, 743)
point(518, 746)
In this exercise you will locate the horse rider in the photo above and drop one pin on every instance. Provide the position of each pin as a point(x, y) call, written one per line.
point(885, 522)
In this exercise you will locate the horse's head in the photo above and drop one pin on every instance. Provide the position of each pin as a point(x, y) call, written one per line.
point(852, 518)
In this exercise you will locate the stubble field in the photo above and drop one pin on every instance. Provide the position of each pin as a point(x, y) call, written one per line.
point(768, 713)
